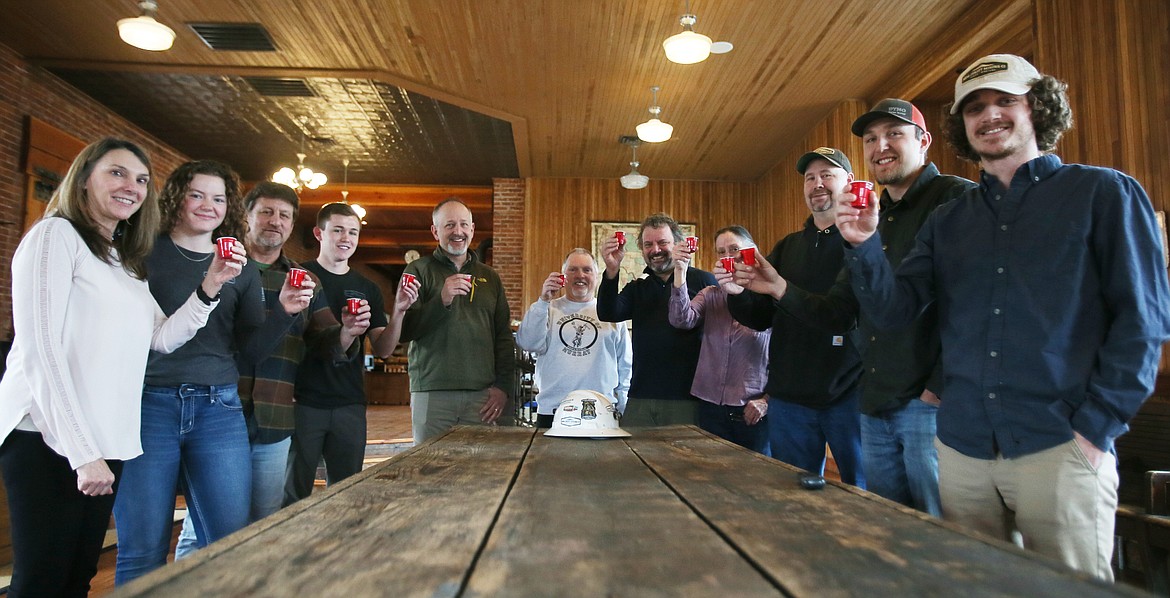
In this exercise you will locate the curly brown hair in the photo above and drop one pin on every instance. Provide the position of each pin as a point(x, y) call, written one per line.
point(1051, 117)
point(235, 223)
point(660, 220)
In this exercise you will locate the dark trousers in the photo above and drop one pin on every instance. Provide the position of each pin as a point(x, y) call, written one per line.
point(727, 423)
point(57, 532)
point(338, 434)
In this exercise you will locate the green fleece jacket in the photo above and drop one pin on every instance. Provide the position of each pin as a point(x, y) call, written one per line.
point(466, 346)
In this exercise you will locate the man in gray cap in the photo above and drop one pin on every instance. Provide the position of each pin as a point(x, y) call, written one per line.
point(902, 385)
point(813, 374)
point(1052, 293)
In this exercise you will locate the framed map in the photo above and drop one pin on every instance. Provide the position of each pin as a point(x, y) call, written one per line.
point(632, 262)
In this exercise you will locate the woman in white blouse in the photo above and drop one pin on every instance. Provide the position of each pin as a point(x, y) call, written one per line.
point(84, 323)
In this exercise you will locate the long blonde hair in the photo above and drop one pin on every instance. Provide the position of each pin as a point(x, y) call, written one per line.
point(133, 237)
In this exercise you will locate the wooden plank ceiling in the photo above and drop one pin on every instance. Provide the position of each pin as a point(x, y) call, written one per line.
point(457, 92)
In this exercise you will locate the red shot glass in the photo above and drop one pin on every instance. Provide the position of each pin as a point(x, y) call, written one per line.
point(863, 190)
point(561, 279)
point(728, 264)
point(408, 278)
point(692, 244)
point(224, 246)
point(749, 255)
point(296, 277)
point(620, 236)
point(353, 304)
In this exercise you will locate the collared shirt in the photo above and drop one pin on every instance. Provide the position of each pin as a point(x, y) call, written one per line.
point(807, 365)
point(664, 356)
point(1052, 298)
point(266, 387)
point(733, 361)
point(899, 363)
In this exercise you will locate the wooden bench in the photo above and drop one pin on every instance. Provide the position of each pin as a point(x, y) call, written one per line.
point(1143, 516)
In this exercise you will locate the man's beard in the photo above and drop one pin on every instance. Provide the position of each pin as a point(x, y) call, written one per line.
point(667, 264)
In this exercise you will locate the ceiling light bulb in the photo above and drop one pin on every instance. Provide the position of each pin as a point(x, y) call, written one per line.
point(360, 211)
point(316, 180)
point(635, 180)
point(285, 176)
point(654, 131)
point(687, 47)
point(144, 32)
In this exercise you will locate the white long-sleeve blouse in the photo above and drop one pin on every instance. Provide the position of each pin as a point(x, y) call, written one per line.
point(83, 329)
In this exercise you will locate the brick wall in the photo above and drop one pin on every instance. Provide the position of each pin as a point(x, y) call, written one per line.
point(508, 239)
point(27, 90)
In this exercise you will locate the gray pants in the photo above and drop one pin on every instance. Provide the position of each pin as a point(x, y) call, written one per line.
point(434, 412)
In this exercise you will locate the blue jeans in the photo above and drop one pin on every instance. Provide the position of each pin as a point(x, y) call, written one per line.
point(727, 423)
point(268, 466)
point(899, 457)
point(193, 437)
point(798, 435)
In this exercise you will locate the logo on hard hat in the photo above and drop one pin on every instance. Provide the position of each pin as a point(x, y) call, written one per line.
point(579, 416)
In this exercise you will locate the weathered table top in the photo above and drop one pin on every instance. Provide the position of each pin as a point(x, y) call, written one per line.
point(485, 511)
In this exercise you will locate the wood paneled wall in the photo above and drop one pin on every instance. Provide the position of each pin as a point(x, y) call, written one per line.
point(1114, 56)
point(559, 212)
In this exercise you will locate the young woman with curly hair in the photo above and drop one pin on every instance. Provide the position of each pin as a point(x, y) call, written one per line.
point(193, 431)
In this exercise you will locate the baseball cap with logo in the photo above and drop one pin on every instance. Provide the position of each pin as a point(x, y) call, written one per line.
point(586, 414)
point(833, 155)
point(890, 107)
point(1002, 72)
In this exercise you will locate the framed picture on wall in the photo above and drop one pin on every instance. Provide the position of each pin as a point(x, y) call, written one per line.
point(632, 262)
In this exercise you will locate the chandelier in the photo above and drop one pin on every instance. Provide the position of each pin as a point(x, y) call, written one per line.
point(303, 177)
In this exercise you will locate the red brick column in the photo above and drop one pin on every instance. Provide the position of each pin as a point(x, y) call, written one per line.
point(508, 239)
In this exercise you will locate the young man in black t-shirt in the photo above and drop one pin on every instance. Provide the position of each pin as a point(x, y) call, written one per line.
point(330, 395)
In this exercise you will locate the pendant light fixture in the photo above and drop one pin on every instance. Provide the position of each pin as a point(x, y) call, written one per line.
point(654, 130)
point(357, 209)
point(635, 179)
point(144, 31)
point(689, 47)
point(302, 177)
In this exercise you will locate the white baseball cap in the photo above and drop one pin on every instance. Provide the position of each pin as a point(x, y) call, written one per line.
point(586, 414)
point(1003, 72)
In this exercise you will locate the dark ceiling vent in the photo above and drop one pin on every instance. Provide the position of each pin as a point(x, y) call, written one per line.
point(281, 87)
point(234, 37)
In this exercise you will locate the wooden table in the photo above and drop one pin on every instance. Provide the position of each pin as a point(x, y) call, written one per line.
point(668, 512)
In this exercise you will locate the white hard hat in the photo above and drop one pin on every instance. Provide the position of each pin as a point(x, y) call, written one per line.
point(586, 414)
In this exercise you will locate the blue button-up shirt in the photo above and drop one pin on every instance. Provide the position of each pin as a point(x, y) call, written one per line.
point(1052, 298)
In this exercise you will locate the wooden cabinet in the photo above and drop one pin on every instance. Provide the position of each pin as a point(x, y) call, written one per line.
point(387, 387)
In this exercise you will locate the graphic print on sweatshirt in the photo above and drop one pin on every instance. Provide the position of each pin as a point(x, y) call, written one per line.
point(578, 334)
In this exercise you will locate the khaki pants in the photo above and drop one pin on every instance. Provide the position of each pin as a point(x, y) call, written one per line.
point(1054, 500)
point(435, 412)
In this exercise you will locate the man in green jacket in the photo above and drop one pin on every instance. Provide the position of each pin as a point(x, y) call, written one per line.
point(462, 353)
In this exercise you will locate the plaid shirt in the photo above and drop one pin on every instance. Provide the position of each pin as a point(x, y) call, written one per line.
point(266, 388)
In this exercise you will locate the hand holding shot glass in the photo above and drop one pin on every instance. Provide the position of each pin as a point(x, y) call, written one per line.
point(456, 285)
point(862, 192)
